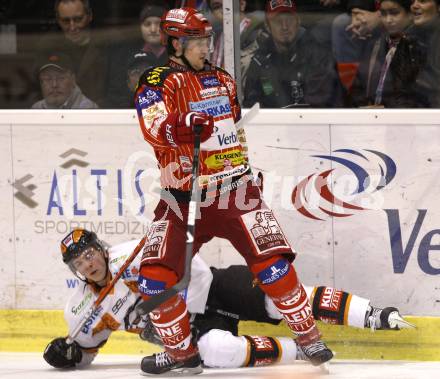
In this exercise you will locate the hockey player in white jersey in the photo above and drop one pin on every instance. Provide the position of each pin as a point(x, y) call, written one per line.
point(217, 298)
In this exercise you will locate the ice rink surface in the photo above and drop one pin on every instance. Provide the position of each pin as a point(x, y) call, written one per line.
point(32, 366)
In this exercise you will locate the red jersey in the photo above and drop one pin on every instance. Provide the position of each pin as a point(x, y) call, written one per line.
point(163, 91)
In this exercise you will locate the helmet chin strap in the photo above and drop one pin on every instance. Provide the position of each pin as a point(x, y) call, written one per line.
point(185, 60)
point(183, 57)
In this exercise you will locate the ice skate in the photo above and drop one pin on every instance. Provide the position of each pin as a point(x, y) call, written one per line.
point(317, 353)
point(164, 364)
point(387, 318)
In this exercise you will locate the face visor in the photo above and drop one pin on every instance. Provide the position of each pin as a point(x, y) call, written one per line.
point(80, 261)
point(199, 42)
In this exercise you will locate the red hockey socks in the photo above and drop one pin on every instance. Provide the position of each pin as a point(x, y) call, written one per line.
point(278, 279)
point(171, 318)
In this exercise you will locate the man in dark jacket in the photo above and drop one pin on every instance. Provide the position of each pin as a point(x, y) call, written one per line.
point(290, 68)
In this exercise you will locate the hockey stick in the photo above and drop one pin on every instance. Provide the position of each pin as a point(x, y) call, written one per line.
point(250, 114)
point(105, 291)
point(149, 305)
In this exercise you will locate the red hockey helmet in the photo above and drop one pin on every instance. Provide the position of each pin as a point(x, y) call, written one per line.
point(184, 22)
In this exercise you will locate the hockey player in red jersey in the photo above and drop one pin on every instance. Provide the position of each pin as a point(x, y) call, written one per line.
point(170, 102)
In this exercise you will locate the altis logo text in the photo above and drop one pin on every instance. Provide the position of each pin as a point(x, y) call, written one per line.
point(80, 194)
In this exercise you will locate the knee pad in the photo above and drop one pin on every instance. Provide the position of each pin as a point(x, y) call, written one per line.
point(154, 279)
point(276, 276)
point(219, 348)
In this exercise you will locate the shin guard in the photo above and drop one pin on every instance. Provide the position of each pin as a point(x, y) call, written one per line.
point(279, 281)
point(170, 319)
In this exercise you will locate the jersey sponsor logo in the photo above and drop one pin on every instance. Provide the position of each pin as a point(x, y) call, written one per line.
point(172, 335)
point(87, 326)
point(215, 107)
point(120, 303)
point(150, 287)
point(169, 135)
point(215, 178)
point(230, 158)
point(330, 299)
point(156, 237)
point(117, 259)
point(153, 77)
point(293, 299)
point(177, 15)
point(265, 232)
point(185, 163)
point(76, 309)
point(274, 272)
point(153, 116)
point(149, 97)
point(210, 81)
point(154, 130)
point(225, 140)
point(262, 343)
point(214, 91)
point(301, 320)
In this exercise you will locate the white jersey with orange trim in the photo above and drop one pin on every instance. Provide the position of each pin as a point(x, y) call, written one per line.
point(116, 312)
point(114, 309)
point(174, 89)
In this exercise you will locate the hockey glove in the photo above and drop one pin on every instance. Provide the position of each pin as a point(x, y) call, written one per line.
point(60, 354)
point(179, 128)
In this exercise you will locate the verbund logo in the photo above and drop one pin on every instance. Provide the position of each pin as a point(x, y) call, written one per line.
point(314, 196)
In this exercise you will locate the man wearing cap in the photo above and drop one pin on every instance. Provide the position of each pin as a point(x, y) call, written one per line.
point(148, 44)
point(58, 85)
point(86, 49)
point(290, 68)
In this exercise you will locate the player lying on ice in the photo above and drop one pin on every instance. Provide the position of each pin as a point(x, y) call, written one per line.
point(219, 299)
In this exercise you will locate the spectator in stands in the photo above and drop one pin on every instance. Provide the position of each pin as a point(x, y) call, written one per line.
point(427, 31)
point(250, 27)
point(148, 42)
point(388, 71)
point(350, 34)
point(58, 85)
point(87, 51)
point(290, 68)
point(137, 64)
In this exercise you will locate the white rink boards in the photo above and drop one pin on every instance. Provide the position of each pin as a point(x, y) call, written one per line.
point(32, 366)
point(93, 169)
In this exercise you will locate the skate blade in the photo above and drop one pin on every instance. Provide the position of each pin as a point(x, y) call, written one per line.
point(403, 324)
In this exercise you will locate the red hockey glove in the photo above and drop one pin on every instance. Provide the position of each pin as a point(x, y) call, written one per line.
point(179, 128)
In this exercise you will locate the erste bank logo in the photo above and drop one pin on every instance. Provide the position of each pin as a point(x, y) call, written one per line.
point(354, 177)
